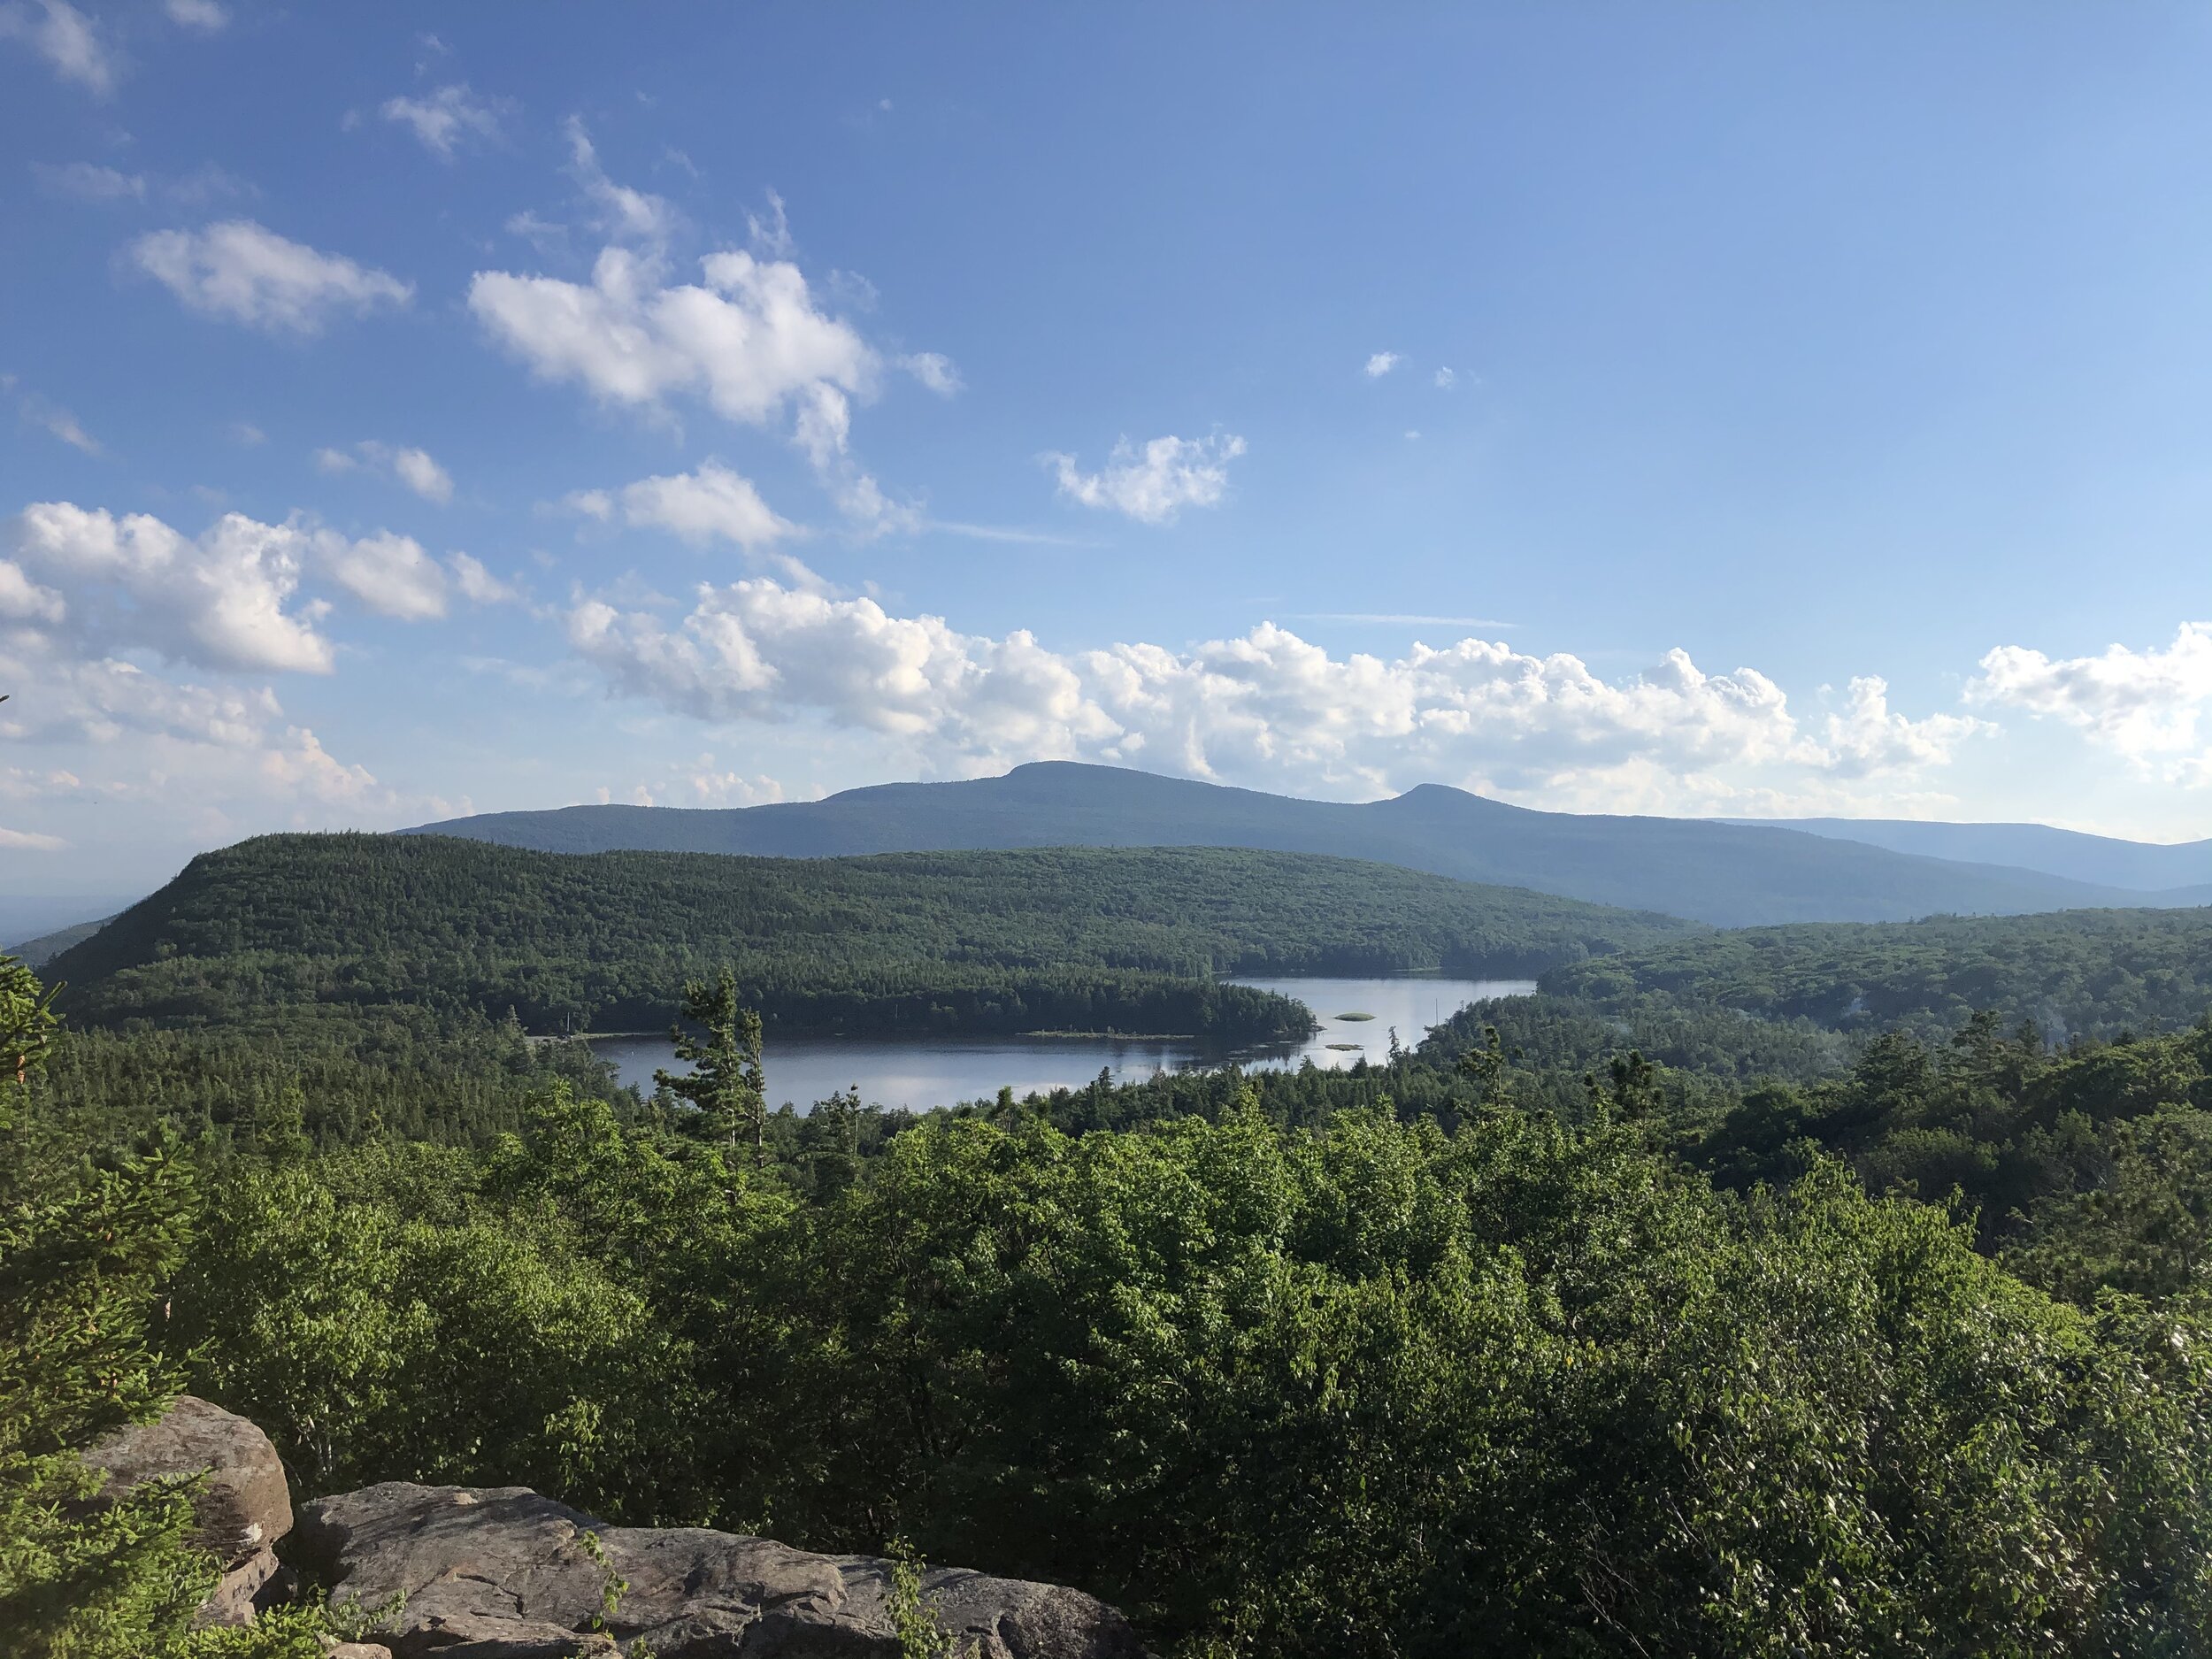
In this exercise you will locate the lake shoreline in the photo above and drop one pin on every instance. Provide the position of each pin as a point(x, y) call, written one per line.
point(918, 1072)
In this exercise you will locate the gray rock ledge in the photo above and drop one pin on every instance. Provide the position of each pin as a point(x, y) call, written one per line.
point(499, 1572)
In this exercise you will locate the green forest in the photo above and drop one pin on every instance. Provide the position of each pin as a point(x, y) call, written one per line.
point(1824, 1291)
point(1069, 938)
point(2093, 972)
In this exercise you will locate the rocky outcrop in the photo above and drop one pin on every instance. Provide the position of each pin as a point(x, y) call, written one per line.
point(240, 1511)
point(500, 1572)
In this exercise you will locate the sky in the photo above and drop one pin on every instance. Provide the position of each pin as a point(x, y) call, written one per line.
point(412, 410)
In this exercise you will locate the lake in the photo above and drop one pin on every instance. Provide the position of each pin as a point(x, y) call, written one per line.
point(919, 1074)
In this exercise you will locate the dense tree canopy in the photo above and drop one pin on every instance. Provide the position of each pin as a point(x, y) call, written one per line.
point(1089, 939)
point(2092, 974)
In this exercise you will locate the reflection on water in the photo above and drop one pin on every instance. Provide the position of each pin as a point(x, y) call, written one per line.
point(919, 1074)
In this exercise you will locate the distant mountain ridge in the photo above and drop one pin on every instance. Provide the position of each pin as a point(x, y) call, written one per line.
point(2105, 860)
point(1731, 875)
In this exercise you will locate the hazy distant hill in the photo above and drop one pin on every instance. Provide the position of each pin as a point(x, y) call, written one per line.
point(2140, 866)
point(1728, 875)
point(40, 951)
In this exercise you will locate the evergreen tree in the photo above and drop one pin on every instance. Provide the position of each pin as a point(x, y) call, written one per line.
point(725, 1082)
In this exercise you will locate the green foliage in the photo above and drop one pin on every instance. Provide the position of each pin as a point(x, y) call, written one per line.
point(1571, 1350)
point(725, 1083)
point(1369, 1388)
point(1086, 939)
point(920, 1636)
point(85, 1246)
point(2091, 973)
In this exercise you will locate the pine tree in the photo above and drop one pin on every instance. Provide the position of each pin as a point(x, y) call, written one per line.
point(725, 1082)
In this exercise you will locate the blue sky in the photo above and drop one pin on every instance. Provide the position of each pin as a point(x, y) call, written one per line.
point(1698, 410)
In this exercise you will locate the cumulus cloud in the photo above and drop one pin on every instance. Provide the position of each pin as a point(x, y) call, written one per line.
point(119, 635)
point(224, 600)
point(1866, 738)
point(2145, 704)
point(1445, 380)
point(228, 599)
point(389, 573)
point(448, 118)
point(1380, 364)
point(710, 504)
point(749, 337)
point(244, 273)
point(1154, 483)
point(71, 43)
point(30, 840)
point(1267, 708)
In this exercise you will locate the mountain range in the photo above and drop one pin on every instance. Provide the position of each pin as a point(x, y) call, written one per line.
point(2102, 860)
point(1728, 873)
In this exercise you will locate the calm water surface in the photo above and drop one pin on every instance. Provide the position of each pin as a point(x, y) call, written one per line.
point(918, 1073)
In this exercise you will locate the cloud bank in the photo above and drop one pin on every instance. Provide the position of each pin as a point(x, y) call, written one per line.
point(1267, 708)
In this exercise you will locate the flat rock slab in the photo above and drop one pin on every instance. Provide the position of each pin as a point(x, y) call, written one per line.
point(500, 1572)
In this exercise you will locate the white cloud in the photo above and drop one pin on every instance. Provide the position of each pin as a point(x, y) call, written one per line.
point(2143, 704)
point(623, 212)
point(934, 370)
point(67, 39)
point(1152, 486)
point(1866, 738)
point(23, 600)
point(414, 468)
point(700, 782)
point(89, 182)
point(245, 433)
point(423, 475)
point(1380, 364)
point(477, 585)
point(95, 585)
point(591, 503)
point(150, 733)
point(448, 118)
point(30, 840)
point(204, 15)
point(1268, 708)
point(389, 573)
point(242, 270)
point(749, 338)
point(1445, 380)
point(700, 507)
point(220, 601)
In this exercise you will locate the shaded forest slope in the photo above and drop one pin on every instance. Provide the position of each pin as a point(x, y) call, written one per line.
point(1129, 940)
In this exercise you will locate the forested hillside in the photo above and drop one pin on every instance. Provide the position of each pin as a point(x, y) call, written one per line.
point(1068, 939)
point(2089, 973)
point(1727, 875)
